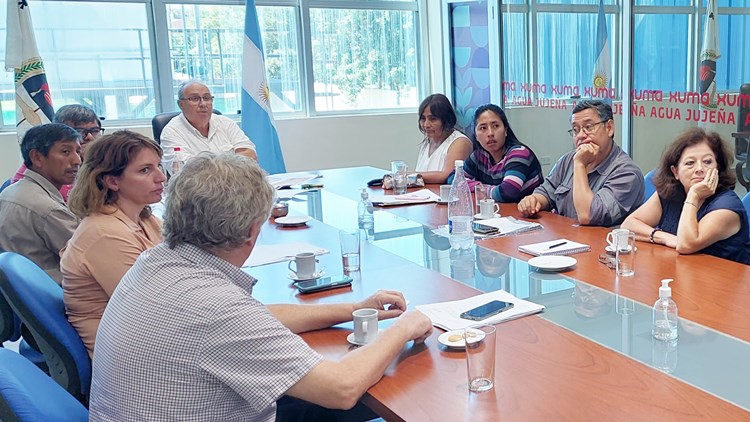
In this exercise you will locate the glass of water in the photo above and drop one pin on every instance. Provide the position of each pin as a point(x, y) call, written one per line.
point(400, 172)
point(350, 249)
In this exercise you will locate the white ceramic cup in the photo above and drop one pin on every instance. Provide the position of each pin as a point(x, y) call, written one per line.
point(445, 192)
point(304, 265)
point(488, 208)
point(615, 236)
point(365, 325)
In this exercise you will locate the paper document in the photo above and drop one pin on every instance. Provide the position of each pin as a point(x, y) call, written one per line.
point(554, 247)
point(290, 179)
point(417, 197)
point(445, 315)
point(508, 226)
point(268, 254)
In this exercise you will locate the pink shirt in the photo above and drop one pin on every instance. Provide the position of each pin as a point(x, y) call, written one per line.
point(64, 191)
point(101, 251)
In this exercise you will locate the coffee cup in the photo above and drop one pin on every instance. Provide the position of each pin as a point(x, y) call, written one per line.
point(488, 208)
point(365, 325)
point(615, 237)
point(304, 265)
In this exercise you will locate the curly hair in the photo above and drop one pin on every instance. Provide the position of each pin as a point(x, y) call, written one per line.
point(668, 186)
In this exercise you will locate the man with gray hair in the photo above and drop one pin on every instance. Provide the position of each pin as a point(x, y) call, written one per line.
point(597, 183)
point(183, 338)
point(198, 129)
point(81, 118)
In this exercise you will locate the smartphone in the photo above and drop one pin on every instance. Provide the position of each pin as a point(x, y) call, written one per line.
point(325, 283)
point(487, 310)
point(483, 228)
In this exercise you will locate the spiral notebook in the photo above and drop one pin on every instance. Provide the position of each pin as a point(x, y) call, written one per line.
point(554, 247)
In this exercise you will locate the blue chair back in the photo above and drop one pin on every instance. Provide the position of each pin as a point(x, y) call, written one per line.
point(5, 185)
point(38, 302)
point(746, 203)
point(648, 181)
point(9, 323)
point(28, 394)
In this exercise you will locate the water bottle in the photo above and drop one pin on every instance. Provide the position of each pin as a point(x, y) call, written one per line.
point(665, 314)
point(178, 161)
point(460, 211)
point(365, 214)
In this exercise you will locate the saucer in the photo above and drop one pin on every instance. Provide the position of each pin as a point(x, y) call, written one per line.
point(455, 339)
point(611, 251)
point(481, 217)
point(293, 220)
point(350, 339)
point(552, 262)
point(316, 275)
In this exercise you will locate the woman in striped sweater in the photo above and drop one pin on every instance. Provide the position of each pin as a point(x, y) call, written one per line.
point(500, 159)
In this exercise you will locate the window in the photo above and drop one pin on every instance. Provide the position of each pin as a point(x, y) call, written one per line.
point(363, 55)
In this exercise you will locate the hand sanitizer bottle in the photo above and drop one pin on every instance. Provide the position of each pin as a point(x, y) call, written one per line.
point(665, 314)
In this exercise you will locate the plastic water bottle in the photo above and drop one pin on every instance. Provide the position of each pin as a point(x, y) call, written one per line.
point(460, 211)
point(365, 214)
point(178, 161)
point(665, 314)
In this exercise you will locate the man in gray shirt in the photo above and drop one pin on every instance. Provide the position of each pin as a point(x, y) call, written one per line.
point(34, 220)
point(182, 337)
point(596, 183)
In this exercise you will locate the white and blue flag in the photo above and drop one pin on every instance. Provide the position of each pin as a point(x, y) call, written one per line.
point(257, 117)
point(602, 72)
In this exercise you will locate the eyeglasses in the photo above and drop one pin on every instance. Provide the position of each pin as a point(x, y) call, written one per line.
point(196, 99)
point(94, 131)
point(586, 129)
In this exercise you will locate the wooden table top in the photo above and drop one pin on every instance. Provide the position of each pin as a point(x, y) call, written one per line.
point(543, 371)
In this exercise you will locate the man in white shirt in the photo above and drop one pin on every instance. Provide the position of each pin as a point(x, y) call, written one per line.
point(198, 129)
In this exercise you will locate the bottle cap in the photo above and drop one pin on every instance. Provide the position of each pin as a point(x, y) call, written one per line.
point(665, 290)
point(459, 163)
point(177, 149)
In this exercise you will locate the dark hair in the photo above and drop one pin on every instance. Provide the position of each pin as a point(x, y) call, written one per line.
point(441, 108)
point(42, 137)
point(106, 156)
point(603, 109)
point(511, 138)
point(75, 114)
point(668, 186)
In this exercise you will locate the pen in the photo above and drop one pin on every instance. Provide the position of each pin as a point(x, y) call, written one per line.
point(556, 245)
point(312, 185)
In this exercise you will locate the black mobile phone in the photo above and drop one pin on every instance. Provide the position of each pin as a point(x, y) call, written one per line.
point(487, 310)
point(483, 228)
point(325, 283)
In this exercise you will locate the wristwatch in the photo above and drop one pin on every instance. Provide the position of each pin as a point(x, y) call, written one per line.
point(653, 232)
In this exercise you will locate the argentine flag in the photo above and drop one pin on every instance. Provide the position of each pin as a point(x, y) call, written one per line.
point(257, 118)
point(602, 73)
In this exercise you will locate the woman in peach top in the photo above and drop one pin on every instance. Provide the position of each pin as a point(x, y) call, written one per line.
point(117, 182)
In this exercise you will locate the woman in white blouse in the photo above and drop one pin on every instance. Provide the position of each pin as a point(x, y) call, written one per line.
point(442, 144)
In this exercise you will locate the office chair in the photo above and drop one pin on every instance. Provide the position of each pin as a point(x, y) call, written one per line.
point(648, 182)
point(28, 394)
point(38, 302)
point(5, 185)
point(160, 120)
point(742, 137)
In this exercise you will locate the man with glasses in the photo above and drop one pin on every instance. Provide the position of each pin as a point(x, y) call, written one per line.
point(198, 129)
point(85, 121)
point(596, 183)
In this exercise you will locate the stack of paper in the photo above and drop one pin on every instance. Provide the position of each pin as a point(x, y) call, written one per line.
point(445, 315)
point(554, 247)
point(510, 225)
point(268, 254)
point(418, 197)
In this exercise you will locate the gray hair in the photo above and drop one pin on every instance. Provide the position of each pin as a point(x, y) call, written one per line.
point(75, 114)
point(181, 88)
point(214, 200)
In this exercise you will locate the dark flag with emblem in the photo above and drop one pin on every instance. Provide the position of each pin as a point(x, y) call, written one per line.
point(33, 99)
point(709, 54)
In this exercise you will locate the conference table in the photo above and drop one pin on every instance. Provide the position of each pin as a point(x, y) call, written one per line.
point(589, 355)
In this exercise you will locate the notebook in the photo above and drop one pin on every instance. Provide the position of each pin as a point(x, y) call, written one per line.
point(509, 226)
point(554, 247)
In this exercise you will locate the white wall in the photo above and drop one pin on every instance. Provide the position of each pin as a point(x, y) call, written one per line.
point(310, 143)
